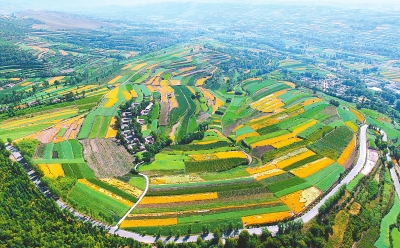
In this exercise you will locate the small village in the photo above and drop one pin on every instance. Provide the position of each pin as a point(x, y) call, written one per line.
point(130, 138)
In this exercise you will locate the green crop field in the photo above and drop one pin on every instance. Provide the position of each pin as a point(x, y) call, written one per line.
point(389, 219)
point(82, 197)
point(231, 111)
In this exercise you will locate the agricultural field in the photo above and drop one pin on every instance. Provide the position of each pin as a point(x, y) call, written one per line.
point(259, 153)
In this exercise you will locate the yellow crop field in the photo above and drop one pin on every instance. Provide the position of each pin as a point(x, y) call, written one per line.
point(26, 84)
point(133, 93)
point(201, 81)
point(285, 163)
point(164, 85)
point(105, 192)
point(291, 84)
point(99, 91)
point(47, 118)
point(175, 82)
point(218, 103)
point(203, 157)
point(265, 218)
point(151, 88)
point(260, 169)
point(127, 96)
point(268, 122)
point(293, 201)
point(127, 66)
point(309, 195)
point(206, 94)
point(149, 222)
point(113, 81)
point(310, 101)
point(346, 153)
point(246, 135)
point(139, 66)
point(305, 126)
point(123, 185)
point(111, 132)
point(269, 103)
point(273, 140)
point(113, 93)
point(151, 80)
point(111, 102)
point(173, 103)
point(286, 142)
point(173, 179)
point(298, 200)
point(360, 116)
point(311, 168)
point(51, 170)
point(187, 69)
point(206, 142)
point(85, 88)
point(269, 173)
point(191, 90)
point(231, 154)
point(179, 198)
point(53, 79)
point(237, 128)
point(352, 126)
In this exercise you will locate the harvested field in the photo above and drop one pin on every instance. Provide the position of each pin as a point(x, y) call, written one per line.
point(150, 222)
point(260, 150)
point(265, 218)
point(47, 135)
point(372, 158)
point(102, 162)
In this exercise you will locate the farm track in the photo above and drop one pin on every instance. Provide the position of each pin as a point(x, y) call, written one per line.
point(150, 239)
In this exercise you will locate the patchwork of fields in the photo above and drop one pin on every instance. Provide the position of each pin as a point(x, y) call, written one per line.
point(267, 151)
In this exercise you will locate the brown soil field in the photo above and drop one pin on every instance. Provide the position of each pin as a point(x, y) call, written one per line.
point(106, 158)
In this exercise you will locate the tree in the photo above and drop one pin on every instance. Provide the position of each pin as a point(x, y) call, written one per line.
point(244, 238)
point(390, 164)
point(231, 243)
point(217, 236)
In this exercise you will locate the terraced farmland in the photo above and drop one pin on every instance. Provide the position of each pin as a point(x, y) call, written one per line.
point(256, 155)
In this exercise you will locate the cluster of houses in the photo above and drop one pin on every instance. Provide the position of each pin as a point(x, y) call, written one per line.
point(128, 134)
point(7, 86)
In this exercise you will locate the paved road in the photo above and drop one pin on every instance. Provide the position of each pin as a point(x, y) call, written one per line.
point(138, 201)
point(42, 188)
point(392, 171)
point(150, 239)
point(350, 176)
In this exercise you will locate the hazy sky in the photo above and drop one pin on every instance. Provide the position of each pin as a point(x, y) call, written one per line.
point(11, 5)
point(133, 2)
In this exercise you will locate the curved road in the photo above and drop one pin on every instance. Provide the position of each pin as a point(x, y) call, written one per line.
point(392, 170)
point(138, 201)
point(150, 239)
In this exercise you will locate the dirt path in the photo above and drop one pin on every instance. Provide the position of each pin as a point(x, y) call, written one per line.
point(249, 157)
point(173, 131)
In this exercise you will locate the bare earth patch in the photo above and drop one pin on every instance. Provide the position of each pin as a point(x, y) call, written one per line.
point(202, 117)
point(47, 135)
point(106, 158)
point(372, 158)
point(260, 150)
